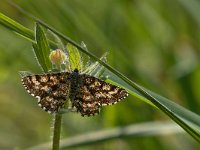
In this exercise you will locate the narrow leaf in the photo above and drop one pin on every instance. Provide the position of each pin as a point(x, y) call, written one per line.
point(39, 57)
point(188, 120)
point(43, 49)
point(16, 27)
point(74, 57)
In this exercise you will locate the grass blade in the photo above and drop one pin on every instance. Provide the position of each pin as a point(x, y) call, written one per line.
point(188, 120)
point(16, 27)
point(134, 131)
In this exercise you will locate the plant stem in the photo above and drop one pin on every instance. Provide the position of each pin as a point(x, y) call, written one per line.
point(56, 131)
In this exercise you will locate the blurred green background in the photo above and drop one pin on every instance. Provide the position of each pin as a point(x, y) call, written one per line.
point(154, 43)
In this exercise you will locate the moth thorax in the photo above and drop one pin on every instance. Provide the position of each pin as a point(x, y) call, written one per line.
point(76, 83)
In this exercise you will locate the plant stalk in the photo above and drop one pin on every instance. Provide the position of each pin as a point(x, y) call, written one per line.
point(56, 131)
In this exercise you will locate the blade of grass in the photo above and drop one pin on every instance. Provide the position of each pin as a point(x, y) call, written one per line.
point(17, 27)
point(188, 120)
point(178, 110)
point(20, 29)
point(133, 131)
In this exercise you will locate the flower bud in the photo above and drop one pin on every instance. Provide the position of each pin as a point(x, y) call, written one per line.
point(57, 57)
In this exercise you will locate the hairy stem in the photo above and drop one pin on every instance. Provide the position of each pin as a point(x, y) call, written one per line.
point(56, 131)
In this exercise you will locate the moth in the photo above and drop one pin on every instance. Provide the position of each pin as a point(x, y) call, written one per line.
point(86, 93)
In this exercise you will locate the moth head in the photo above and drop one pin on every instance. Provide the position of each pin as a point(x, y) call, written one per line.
point(75, 70)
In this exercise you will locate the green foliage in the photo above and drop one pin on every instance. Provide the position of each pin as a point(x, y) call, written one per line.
point(153, 44)
point(74, 57)
point(42, 49)
point(16, 27)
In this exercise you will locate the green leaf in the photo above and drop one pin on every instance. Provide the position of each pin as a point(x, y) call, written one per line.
point(20, 29)
point(42, 50)
point(53, 37)
point(39, 57)
point(114, 79)
point(16, 27)
point(95, 68)
point(74, 57)
point(188, 120)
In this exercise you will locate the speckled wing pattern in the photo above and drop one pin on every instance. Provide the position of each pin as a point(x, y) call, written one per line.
point(51, 90)
point(86, 93)
point(95, 93)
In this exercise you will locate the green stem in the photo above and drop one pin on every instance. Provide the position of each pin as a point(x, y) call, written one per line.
point(57, 126)
point(56, 131)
